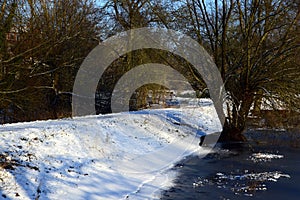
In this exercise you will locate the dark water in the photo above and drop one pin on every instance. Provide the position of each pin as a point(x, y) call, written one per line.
point(267, 167)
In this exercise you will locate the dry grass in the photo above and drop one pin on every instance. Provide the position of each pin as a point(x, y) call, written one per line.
point(276, 119)
point(5, 163)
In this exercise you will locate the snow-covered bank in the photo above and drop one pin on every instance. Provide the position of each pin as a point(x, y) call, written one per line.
point(116, 156)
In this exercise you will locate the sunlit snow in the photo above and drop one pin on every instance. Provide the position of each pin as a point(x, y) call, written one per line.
point(115, 156)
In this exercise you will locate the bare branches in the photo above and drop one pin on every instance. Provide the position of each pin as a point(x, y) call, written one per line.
point(51, 40)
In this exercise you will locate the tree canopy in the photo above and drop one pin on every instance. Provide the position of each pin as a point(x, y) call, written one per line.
point(255, 44)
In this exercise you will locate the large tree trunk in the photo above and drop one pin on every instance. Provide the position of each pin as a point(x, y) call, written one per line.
point(235, 124)
point(232, 133)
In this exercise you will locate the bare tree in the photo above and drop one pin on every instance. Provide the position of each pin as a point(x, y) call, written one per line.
point(254, 44)
point(53, 39)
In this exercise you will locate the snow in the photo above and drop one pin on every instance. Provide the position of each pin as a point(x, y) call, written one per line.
point(115, 156)
point(264, 157)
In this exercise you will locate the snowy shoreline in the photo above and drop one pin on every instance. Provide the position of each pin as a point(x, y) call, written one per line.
point(116, 156)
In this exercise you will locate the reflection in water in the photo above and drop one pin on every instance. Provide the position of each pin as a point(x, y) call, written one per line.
point(264, 157)
point(243, 183)
point(259, 169)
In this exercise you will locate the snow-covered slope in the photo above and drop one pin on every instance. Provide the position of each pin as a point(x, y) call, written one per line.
point(115, 156)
